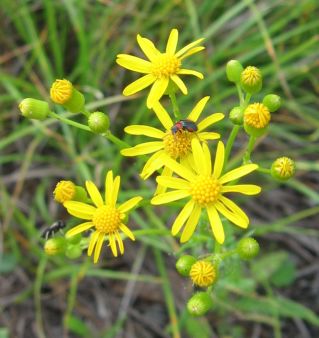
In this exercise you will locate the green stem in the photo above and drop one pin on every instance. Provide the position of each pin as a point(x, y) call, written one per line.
point(250, 147)
point(230, 143)
point(240, 94)
point(264, 170)
point(176, 110)
point(246, 101)
point(69, 122)
point(121, 144)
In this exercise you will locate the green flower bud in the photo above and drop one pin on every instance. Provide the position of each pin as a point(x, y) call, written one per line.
point(272, 102)
point(55, 246)
point(247, 248)
point(98, 122)
point(283, 168)
point(199, 304)
point(76, 239)
point(251, 80)
point(34, 109)
point(73, 251)
point(184, 265)
point(233, 70)
point(236, 115)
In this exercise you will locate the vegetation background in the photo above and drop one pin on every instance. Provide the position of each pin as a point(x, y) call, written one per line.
point(140, 294)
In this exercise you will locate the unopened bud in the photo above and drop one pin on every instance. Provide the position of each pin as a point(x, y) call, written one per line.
point(251, 80)
point(272, 102)
point(98, 122)
point(199, 304)
point(55, 246)
point(283, 168)
point(233, 70)
point(184, 264)
point(236, 115)
point(247, 248)
point(73, 251)
point(34, 109)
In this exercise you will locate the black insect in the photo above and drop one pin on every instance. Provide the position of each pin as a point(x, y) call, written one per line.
point(184, 125)
point(52, 229)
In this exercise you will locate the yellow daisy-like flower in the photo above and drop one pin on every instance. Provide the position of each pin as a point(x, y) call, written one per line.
point(105, 217)
point(203, 273)
point(161, 67)
point(206, 188)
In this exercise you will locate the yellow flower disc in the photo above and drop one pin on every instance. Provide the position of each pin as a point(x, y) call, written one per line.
point(178, 145)
point(284, 167)
point(205, 190)
point(106, 219)
point(251, 76)
point(165, 65)
point(203, 273)
point(61, 91)
point(257, 115)
point(64, 191)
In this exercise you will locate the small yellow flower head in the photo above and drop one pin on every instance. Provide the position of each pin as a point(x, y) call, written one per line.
point(61, 91)
point(55, 246)
point(64, 191)
point(256, 119)
point(203, 273)
point(283, 168)
point(34, 109)
point(251, 80)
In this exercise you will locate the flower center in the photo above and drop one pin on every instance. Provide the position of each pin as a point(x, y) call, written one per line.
point(165, 65)
point(106, 219)
point(205, 190)
point(257, 115)
point(178, 145)
point(251, 75)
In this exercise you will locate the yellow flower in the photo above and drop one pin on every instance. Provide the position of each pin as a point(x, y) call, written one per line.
point(176, 146)
point(205, 187)
point(105, 217)
point(61, 91)
point(161, 67)
point(203, 273)
point(257, 115)
point(64, 191)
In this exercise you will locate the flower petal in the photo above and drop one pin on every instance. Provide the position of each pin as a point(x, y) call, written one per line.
point(137, 129)
point(113, 244)
point(115, 191)
point(173, 182)
point(204, 136)
point(246, 189)
point(108, 186)
point(172, 42)
point(190, 72)
point(93, 240)
point(127, 231)
point(237, 173)
point(197, 110)
point(139, 84)
point(234, 208)
point(219, 160)
point(142, 149)
point(199, 157)
point(78, 229)
point(180, 84)
point(191, 52)
point(157, 91)
point(120, 242)
point(79, 209)
point(154, 163)
point(129, 204)
point(163, 116)
point(147, 47)
point(179, 169)
point(160, 189)
point(94, 193)
point(191, 224)
point(98, 247)
point(216, 224)
point(232, 217)
point(207, 159)
point(169, 197)
point(134, 63)
point(188, 47)
point(210, 120)
point(182, 217)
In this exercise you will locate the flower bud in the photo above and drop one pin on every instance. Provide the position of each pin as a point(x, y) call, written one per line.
point(73, 251)
point(55, 246)
point(251, 80)
point(199, 304)
point(76, 239)
point(283, 168)
point(233, 70)
point(64, 191)
point(203, 273)
point(34, 109)
point(98, 122)
point(256, 119)
point(247, 248)
point(272, 102)
point(236, 115)
point(62, 92)
point(184, 264)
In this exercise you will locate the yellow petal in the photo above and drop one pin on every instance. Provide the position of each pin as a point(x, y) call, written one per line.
point(172, 42)
point(147, 47)
point(188, 47)
point(108, 186)
point(127, 232)
point(120, 242)
point(191, 224)
point(204, 136)
point(134, 63)
point(216, 224)
point(169, 197)
point(190, 72)
point(179, 169)
point(94, 193)
point(163, 116)
point(93, 240)
point(219, 160)
point(160, 189)
point(197, 110)
point(139, 85)
point(199, 157)
point(98, 247)
point(207, 159)
point(130, 204)
point(182, 217)
point(234, 208)
point(246, 189)
point(237, 173)
point(180, 84)
point(78, 229)
point(115, 192)
point(191, 52)
point(79, 209)
point(209, 121)
point(157, 91)
point(144, 130)
point(113, 244)
point(142, 149)
point(173, 182)
point(154, 163)
point(232, 217)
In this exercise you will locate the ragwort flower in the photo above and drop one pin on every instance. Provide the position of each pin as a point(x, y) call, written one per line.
point(105, 217)
point(205, 187)
point(161, 67)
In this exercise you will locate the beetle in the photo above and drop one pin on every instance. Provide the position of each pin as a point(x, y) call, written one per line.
point(186, 124)
point(52, 229)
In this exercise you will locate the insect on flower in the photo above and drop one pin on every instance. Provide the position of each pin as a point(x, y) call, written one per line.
point(52, 229)
point(186, 124)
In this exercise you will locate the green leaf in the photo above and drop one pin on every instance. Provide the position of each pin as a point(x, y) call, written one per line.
point(285, 275)
point(77, 326)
